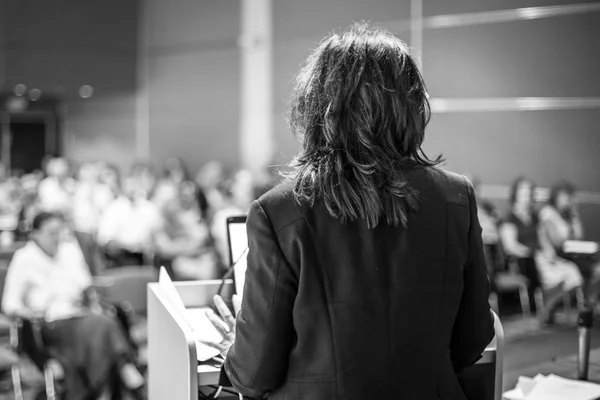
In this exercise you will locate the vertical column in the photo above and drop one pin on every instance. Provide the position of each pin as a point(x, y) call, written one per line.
point(416, 28)
point(2, 45)
point(142, 125)
point(256, 119)
point(4, 118)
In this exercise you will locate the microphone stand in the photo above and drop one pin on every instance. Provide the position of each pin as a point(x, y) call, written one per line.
point(585, 322)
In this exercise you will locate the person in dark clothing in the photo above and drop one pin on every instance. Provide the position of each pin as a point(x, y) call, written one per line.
point(366, 272)
point(523, 240)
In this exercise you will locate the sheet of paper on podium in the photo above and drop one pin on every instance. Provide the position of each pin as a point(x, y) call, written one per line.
point(196, 318)
point(552, 387)
point(580, 247)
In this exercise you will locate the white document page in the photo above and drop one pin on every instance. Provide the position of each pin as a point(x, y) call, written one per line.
point(195, 317)
point(557, 388)
point(580, 247)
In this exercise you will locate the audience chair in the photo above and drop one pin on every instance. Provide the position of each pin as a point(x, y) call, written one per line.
point(29, 342)
point(510, 281)
point(15, 332)
point(125, 288)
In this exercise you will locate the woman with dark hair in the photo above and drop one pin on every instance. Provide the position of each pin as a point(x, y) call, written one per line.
point(183, 242)
point(522, 240)
point(366, 274)
point(560, 215)
point(519, 233)
point(560, 222)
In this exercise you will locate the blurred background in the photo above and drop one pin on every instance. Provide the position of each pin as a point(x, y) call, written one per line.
point(514, 90)
point(184, 102)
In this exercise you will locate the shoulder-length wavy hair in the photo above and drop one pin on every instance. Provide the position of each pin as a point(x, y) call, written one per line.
point(360, 107)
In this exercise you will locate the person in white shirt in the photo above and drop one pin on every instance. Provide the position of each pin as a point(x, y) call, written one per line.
point(49, 280)
point(56, 190)
point(86, 213)
point(560, 222)
point(126, 228)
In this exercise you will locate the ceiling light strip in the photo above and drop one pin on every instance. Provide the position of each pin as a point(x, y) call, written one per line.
point(499, 16)
point(449, 105)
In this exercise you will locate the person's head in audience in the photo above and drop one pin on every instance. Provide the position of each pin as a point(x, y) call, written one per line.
point(242, 188)
point(58, 168)
point(87, 173)
point(46, 231)
point(210, 175)
point(521, 196)
point(111, 177)
point(175, 171)
point(188, 195)
point(134, 189)
point(562, 197)
point(143, 172)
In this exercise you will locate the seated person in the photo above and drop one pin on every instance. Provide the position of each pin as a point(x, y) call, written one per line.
point(521, 240)
point(48, 280)
point(126, 227)
point(560, 221)
point(183, 243)
point(488, 219)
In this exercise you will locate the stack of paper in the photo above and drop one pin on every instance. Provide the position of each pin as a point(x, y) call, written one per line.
point(552, 387)
point(196, 318)
point(580, 247)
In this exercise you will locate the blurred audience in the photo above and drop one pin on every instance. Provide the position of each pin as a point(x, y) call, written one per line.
point(184, 242)
point(561, 222)
point(235, 198)
point(523, 241)
point(126, 226)
point(489, 221)
point(49, 280)
point(56, 189)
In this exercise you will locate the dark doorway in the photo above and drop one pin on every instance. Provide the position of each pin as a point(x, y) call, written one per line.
point(28, 145)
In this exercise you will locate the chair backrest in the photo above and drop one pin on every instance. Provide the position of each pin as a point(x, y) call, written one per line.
point(128, 285)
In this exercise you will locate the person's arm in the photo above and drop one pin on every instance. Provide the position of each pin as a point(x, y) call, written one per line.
point(257, 362)
point(576, 225)
point(510, 243)
point(474, 325)
point(15, 288)
point(554, 227)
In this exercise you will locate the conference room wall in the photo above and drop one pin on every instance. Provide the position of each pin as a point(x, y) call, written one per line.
point(58, 46)
point(445, 7)
point(554, 57)
point(194, 80)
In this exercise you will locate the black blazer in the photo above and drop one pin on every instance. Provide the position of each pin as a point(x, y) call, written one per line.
point(333, 311)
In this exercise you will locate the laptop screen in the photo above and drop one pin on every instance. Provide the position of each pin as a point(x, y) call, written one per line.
point(238, 245)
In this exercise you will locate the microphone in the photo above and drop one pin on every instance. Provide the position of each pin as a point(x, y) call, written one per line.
point(229, 273)
point(585, 322)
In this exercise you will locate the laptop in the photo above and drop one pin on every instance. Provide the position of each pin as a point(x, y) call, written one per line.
point(237, 239)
